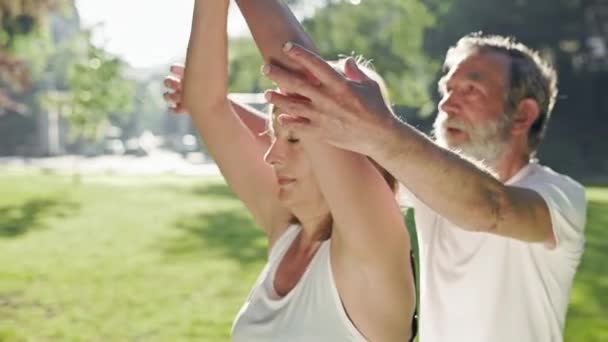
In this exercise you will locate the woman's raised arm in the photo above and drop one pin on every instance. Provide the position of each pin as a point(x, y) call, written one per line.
point(232, 145)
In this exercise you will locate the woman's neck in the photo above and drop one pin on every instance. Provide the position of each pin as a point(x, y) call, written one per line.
point(315, 228)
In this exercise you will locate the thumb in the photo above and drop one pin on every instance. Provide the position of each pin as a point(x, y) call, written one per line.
point(353, 72)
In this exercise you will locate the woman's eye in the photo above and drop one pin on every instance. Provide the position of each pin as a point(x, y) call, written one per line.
point(292, 140)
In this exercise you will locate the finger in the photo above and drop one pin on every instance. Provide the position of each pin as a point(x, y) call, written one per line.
point(290, 118)
point(177, 69)
point(177, 109)
point(353, 72)
point(291, 83)
point(291, 104)
point(172, 97)
point(315, 65)
point(173, 83)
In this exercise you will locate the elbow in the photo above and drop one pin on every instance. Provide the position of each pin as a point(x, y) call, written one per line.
point(489, 211)
point(496, 207)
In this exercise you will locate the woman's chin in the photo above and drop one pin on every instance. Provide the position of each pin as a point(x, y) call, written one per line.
point(286, 197)
point(292, 199)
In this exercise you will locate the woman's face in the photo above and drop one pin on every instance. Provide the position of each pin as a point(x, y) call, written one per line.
point(298, 187)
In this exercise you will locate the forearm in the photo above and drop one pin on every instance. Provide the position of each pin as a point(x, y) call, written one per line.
point(273, 24)
point(205, 79)
point(255, 120)
point(449, 184)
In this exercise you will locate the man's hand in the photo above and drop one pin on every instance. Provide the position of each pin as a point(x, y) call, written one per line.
point(348, 111)
point(173, 81)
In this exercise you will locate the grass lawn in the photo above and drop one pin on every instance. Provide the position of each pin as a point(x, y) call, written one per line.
point(168, 259)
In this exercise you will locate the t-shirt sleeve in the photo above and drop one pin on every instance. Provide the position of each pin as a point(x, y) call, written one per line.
point(567, 205)
point(405, 197)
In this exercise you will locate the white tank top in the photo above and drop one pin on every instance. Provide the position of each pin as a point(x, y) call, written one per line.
point(311, 311)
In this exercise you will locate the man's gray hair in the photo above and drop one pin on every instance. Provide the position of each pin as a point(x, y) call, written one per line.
point(530, 77)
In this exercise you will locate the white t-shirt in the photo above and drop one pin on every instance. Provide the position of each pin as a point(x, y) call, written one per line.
point(480, 287)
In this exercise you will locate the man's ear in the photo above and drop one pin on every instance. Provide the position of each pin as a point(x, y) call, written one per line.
point(527, 112)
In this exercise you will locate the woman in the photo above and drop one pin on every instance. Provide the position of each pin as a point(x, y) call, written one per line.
point(338, 266)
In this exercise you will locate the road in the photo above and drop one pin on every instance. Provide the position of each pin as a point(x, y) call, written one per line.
point(158, 162)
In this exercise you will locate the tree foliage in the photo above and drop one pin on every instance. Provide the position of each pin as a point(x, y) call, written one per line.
point(96, 88)
point(24, 44)
point(572, 34)
point(244, 67)
point(69, 75)
point(390, 33)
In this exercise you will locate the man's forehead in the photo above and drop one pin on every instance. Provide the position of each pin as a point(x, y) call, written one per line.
point(479, 66)
point(475, 75)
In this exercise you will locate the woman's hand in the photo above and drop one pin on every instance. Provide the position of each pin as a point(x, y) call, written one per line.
point(174, 95)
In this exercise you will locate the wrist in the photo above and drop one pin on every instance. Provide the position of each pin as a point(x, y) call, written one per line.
point(383, 135)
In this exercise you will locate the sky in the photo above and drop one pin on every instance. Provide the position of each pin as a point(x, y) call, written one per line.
point(146, 33)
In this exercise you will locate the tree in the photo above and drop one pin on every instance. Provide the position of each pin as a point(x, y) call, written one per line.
point(570, 33)
point(375, 30)
point(97, 88)
point(244, 67)
point(22, 26)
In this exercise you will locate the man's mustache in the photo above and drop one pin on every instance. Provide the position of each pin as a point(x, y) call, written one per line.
point(444, 122)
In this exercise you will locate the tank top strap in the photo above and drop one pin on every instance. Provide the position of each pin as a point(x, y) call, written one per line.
point(283, 242)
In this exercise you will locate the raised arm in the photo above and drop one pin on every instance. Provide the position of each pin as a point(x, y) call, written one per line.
point(272, 24)
point(369, 234)
point(233, 146)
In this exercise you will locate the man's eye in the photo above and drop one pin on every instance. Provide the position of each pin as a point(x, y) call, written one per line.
point(471, 89)
point(293, 140)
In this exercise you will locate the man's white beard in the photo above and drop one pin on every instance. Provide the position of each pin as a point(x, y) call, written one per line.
point(487, 142)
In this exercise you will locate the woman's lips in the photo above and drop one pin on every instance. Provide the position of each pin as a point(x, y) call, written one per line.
point(285, 180)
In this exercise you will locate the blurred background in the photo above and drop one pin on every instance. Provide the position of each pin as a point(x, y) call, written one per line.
point(114, 223)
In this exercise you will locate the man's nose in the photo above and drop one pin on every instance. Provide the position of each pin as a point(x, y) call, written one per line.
point(449, 104)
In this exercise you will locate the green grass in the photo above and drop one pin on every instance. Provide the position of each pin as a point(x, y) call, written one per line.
point(588, 312)
point(122, 259)
point(168, 259)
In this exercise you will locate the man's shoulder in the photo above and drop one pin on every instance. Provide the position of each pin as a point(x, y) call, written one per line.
point(539, 175)
point(564, 196)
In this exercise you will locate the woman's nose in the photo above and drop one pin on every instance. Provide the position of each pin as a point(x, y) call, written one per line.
point(273, 155)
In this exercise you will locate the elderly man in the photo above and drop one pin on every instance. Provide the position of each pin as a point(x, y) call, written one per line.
point(500, 235)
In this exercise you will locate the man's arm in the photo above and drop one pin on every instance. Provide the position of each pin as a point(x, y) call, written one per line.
point(351, 115)
point(253, 119)
point(459, 190)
